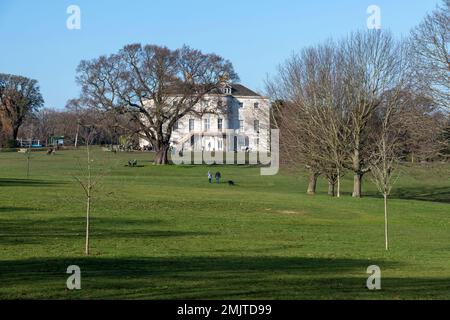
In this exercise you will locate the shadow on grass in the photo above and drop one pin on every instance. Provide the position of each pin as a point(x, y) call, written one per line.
point(27, 183)
point(137, 166)
point(34, 231)
point(441, 194)
point(220, 277)
point(429, 194)
point(17, 209)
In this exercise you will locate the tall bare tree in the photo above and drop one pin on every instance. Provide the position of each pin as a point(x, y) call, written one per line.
point(155, 85)
point(89, 174)
point(311, 119)
point(424, 125)
point(74, 106)
point(372, 64)
point(298, 148)
point(388, 150)
point(431, 54)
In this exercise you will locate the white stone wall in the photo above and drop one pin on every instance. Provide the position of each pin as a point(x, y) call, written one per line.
point(236, 109)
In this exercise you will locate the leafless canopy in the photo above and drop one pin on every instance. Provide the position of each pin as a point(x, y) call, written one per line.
point(374, 67)
point(332, 96)
point(431, 54)
point(156, 85)
point(311, 114)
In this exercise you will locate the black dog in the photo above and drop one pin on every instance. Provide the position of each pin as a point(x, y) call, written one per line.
point(132, 163)
point(231, 183)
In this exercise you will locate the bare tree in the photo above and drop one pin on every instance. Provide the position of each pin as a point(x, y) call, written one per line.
point(297, 146)
point(328, 114)
point(19, 97)
point(372, 64)
point(424, 126)
point(41, 125)
point(388, 151)
point(311, 119)
point(431, 54)
point(445, 150)
point(332, 94)
point(155, 85)
point(89, 175)
point(68, 123)
point(75, 107)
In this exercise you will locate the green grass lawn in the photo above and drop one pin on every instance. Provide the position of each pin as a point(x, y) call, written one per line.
point(165, 233)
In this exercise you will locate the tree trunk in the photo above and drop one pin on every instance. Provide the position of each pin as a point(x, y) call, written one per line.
point(312, 183)
point(88, 196)
point(338, 184)
point(9, 134)
point(76, 136)
point(15, 131)
point(88, 211)
point(161, 157)
point(28, 163)
point(357, 175)
point(386, 235)
point(357, 185)
point(331, 186)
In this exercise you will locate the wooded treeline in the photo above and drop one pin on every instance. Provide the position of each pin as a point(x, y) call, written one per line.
point(365, 103)
point(330, 100)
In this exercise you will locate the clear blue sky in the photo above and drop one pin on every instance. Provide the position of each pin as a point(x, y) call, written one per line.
point(256, 35)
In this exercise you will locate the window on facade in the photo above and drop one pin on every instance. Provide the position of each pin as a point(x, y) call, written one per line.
point(219, 124)
point(241, 125)
point(175, 126)
point(226, 90)
point(220, 144)
point(256, 105)
point(241, 142)
point(256, 125)
point(241, 104)
point(206, 124)
point(191, 124)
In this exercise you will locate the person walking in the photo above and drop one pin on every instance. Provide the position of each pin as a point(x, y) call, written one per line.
point(209, 176)
point(218, 176)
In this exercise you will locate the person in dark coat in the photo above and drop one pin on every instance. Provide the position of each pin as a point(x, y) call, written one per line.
point(218, 176)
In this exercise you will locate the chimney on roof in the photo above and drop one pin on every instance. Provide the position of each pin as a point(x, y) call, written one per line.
point(225, 79)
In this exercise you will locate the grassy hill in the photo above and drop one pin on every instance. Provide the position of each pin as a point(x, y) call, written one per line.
point(164, 232)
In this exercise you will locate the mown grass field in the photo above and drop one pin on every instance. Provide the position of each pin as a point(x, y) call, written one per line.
point(165, 233)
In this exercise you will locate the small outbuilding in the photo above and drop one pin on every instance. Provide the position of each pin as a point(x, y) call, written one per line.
point(56, 141)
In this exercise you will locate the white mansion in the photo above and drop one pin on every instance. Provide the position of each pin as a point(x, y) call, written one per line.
point(243, 125)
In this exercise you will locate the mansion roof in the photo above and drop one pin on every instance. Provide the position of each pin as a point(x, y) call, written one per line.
point(240, 90)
